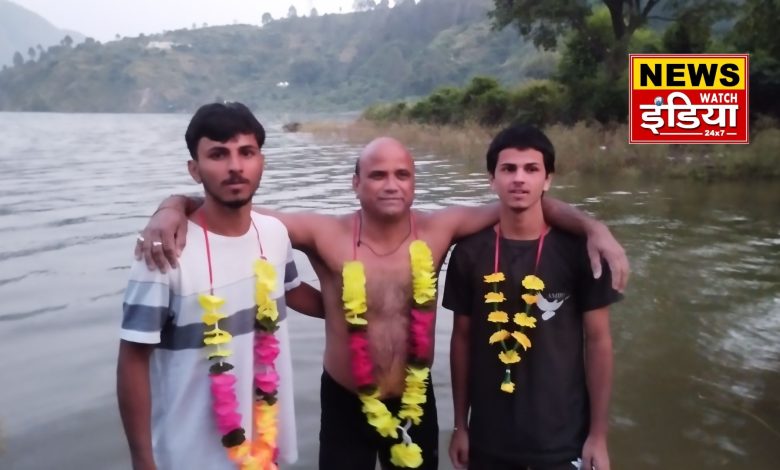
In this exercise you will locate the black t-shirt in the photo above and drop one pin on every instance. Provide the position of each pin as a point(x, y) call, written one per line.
point(546, 419)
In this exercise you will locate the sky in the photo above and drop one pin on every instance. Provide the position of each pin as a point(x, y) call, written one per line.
point(104, 19)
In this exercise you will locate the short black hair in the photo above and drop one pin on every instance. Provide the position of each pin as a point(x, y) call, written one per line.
point(221, 122)
point(521, 137)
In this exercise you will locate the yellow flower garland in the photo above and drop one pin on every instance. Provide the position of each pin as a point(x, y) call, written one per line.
point(259, 454)
point(407, 453)
point(510, 355)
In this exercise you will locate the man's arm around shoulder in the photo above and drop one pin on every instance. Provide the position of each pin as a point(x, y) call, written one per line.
point(164, 237)
point(461, 221)
point(601, 243)
point(302, 227)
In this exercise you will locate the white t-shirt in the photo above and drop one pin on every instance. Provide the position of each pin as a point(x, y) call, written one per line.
point(163, 309)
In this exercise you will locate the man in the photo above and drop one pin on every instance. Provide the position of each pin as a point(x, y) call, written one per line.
point(165, 385)
point(531, 351)
point(379, 236)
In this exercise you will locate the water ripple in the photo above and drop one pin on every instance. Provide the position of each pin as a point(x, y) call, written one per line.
point(700, 319)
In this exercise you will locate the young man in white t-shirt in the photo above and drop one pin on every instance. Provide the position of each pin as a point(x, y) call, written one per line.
point(163, 376)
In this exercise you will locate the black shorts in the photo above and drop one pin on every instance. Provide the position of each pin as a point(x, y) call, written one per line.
point(348, 442)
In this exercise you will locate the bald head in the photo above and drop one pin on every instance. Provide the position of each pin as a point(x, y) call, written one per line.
point(384, 179)
point(382, 147)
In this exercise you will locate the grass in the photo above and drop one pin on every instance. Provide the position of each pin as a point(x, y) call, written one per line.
point(585, 148)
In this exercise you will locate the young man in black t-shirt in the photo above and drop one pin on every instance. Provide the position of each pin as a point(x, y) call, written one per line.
point(531, 351)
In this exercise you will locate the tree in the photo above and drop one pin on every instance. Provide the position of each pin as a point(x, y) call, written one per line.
point(542, 22)
point(546, 22)
point(363, 5)
point(440, 108)
point(485, 100)
point(18, 59)
point(592, 91)
point(306, 71)
point(690, 34)
point(476, 88)
point(314, 13)
point(292, 12)
point(67, 41)
point(383, 5)
point(755, 32)
point(267, 18)
point(31, 53)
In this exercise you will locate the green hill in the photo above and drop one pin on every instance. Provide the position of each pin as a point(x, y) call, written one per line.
point(328, 62)
point(21, 29)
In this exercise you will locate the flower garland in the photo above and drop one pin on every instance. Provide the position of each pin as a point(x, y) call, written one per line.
point(510, 354)
point(262, 452)
point(406, 453)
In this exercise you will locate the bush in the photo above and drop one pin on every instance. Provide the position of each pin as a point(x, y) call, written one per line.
point(491, 108)
point(540, 103)
point(390, 112)
point(443, 106)
point(477, 87)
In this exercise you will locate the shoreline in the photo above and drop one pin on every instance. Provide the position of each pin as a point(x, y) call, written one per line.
point(588, 149)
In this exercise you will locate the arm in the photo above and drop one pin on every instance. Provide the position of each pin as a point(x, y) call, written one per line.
point(600, 239)
point(301, 226)
point(306, 300)
point(564, 216)
point(460, 221)
point(598, 371)
point(169, 226)
point(135, 404)
point(459, 371)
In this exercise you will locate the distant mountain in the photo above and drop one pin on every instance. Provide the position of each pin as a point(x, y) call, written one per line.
point(328, 62)
point(21, 29)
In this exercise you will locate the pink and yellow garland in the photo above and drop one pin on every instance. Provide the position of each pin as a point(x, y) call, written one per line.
point(262, 452)
point(405, 453)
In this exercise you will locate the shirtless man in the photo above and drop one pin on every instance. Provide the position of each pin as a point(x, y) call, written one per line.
point(378, 235)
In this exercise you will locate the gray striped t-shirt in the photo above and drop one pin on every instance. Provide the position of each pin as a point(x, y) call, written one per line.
point(163, 309)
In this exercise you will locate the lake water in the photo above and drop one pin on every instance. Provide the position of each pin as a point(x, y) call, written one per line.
point(697, 339)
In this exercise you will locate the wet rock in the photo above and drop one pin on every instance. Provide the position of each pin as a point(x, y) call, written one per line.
point(292, 126)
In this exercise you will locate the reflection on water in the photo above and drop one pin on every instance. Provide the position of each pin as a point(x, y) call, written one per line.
point(698, 357)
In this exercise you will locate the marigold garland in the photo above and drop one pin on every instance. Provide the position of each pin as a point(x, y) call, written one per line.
point(510, 353)
point(262, 452)
point(406, 453)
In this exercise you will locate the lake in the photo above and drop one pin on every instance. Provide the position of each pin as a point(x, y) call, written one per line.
point(697, 339)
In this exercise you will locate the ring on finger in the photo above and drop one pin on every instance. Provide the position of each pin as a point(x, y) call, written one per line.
point(140, 238)
point(157, 243)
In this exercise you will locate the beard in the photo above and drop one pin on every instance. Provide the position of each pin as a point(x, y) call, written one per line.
point(231, 204)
